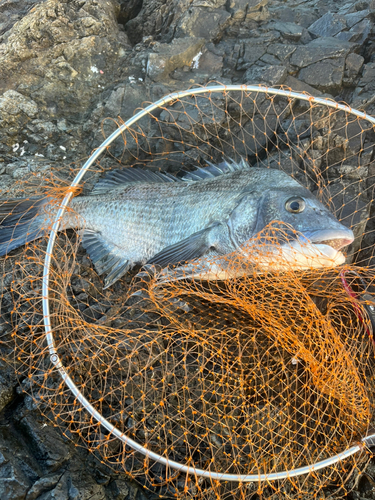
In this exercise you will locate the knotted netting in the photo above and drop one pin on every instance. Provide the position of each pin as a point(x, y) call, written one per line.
point(257, 383)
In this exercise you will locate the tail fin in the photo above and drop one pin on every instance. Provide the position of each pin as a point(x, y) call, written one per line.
point(21, 221)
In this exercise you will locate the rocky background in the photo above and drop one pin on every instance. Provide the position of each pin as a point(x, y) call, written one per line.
point(65, 65)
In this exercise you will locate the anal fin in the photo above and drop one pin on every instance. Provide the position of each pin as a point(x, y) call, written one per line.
point(105, 256)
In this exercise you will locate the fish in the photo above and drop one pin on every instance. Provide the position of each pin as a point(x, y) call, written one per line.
point(141, 217)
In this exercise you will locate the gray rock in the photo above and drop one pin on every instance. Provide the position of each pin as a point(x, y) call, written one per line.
point(353, 64)
point(358, 34)
point(241, 9)
point(13, 103)
point(48, 447)
point(202, 115)
point(8, 383)
point(270, 60)
point(299, 86)
point(349, 209)
point(168, 57)
point(281, 50)
point(328, 25)
point(208, 62)
point(202, 23)
point(13, 483)
point(44, 484)
point(366, 87)
point(290, 31)
point(252, 53)
point(356, 17)
point(269, 75)
point(320, 49)
point(326, 75)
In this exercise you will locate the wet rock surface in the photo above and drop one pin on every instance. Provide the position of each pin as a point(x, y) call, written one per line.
point(67, 65)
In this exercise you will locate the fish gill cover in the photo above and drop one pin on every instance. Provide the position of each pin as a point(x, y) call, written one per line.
point(266, 371)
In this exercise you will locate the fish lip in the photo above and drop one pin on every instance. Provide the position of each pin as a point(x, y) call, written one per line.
point(334, 238)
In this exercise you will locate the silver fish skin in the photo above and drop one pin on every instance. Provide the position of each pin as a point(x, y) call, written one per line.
point(135, 217)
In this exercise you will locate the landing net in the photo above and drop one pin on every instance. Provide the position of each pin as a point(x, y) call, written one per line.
point(259, 384)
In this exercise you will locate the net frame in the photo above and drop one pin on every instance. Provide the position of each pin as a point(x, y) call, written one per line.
point(365, 442)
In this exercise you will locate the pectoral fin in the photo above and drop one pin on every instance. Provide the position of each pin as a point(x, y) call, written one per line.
point(210, 240)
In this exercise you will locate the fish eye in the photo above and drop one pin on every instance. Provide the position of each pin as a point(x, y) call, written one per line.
point(295, 205)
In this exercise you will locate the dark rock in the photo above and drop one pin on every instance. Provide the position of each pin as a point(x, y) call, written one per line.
point(328, 25)
point(349, 209)
point(290, 31)
point(270, 60)
point(249, 9)
point(202, 23)
point(320, 49)
point(326, 75)
point(252, 53)
point(168, 57)
point(356, 17)
point(303, 16)
point(366, 87)
point(272, 75)
point(358, 34)
point(8, 384)
point(208, 62)
point(281, 50)
point(299, 86)
point(353, 64)
point(46, 483)
point(51, 450)
point(128, 9)
point(13, 483)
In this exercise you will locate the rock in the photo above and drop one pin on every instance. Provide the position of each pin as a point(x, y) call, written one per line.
point(349, 209)
point(299, 86)
point(281, 50)
point(201, 115)
point(50, 449)
point(328, 25)
point(241, 9)
point(326, 75)
point(13, 103)
point(272, 75)
point(208, 62)
point(168, 57)
point(358, 34)
point(353, 64)
point(8, 383)
point(320, 49)
point(251, 54)
point(13, 484)
point(366, 87)
point(44, 484)
point(356, 17)
point(290, 31)
point(270, 60)
point(202, 23)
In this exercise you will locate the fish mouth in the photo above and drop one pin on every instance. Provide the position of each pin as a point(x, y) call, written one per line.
point(310, 249)
point(330, 241)
point(320, 248)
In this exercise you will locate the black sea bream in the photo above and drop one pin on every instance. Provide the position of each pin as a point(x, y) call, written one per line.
point(135, 216)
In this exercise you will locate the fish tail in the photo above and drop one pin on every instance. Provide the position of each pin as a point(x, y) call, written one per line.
point(21, 221)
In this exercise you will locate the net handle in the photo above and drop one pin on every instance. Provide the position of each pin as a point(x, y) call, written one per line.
point(45, 291)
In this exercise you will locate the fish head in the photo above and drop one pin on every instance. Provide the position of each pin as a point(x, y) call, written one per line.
point(292, 228)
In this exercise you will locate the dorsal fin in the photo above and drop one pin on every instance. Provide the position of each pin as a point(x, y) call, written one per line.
point(212, 170)
point(116, 178)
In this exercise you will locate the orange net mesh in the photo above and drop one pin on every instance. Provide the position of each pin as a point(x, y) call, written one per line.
point(262, 372)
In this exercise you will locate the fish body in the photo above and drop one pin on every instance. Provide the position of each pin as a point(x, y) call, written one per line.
point(137, 217)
